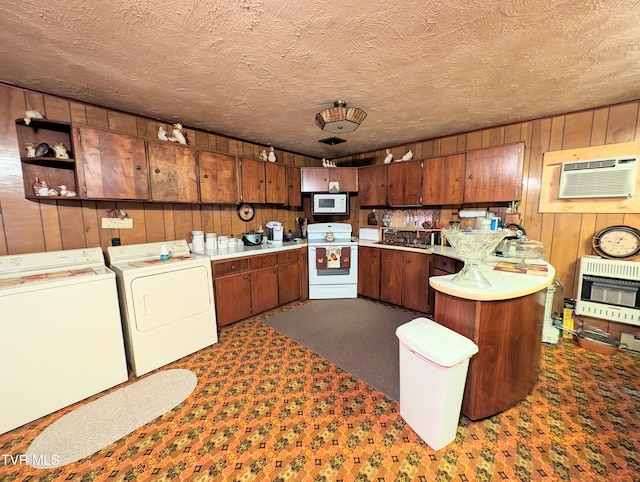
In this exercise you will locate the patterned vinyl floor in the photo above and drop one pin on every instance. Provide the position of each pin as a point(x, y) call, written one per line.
point(268, 409)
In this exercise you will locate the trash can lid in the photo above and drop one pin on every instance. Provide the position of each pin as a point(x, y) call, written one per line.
point(436, 342)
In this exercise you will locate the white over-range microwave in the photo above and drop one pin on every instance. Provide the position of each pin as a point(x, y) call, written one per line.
point(331, 203)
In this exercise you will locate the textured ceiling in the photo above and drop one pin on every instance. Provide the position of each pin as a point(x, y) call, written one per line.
point(260, 70)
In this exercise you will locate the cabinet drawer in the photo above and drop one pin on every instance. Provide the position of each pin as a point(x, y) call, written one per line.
point(257, 262)
point(223, 268)
point(288, 256)
point(443, 263)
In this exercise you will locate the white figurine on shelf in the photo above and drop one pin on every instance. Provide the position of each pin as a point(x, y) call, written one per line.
point(272, 155)
point(389, 157)
point(61, 151)
point(263, 155)
point(324, 162)
point(407, 157)
point(32, 114)
point(162, 134)
point(31, 149)
point(44, 189)
point(331, 163)
point(65, 192)
point(178, 133)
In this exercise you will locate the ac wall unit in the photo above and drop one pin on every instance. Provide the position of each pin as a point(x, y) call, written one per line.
point(610, 177)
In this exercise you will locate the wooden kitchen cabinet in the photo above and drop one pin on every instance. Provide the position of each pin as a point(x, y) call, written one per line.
point(219, 178)
point(316, 179)
point(509, 337)
point(369, 272)
point(494, 174)
point(288, 276)
point(253, 181)
point(111, 165)
point(294, 192)
point(415, 281)
point(391, 276)
point(51, 170)
point(262, 282)
point(441, 266)
point(276, 190)
point(404, 183)
point(372, 185)
point(443, 180)
point(173, 172)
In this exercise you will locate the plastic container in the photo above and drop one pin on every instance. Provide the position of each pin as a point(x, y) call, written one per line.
point(210, 241)
point(433, 370)
point(197, 241)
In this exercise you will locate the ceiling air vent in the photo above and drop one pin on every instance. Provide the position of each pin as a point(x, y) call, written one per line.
point(332, 141)
point(611, 177)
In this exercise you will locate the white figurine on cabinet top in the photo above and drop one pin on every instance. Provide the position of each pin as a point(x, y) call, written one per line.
point(408, 156)
point(32, 114)
point(272, 155)
point(178, 134)
point(162, 134)
point(263, 155)
point(65, 192)
point(60, 151)
point(389, 157)
point(30, 148)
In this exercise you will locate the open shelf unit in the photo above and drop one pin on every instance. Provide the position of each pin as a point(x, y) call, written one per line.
point(55, 172)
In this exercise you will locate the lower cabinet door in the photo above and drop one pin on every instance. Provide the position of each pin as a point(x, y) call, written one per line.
point(264, 289)
point(415, 279)
point(233, 298)
point(391, 276)
point(288, 282)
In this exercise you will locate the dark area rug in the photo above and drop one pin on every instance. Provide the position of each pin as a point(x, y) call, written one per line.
point(356, 334)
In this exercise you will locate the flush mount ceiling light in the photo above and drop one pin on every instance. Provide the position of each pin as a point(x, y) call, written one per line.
point(332, 141)
point(340, 118)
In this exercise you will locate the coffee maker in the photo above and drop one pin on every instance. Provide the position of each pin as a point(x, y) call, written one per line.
point(275, 232)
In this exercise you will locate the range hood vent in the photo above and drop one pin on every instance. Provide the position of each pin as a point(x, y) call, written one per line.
point(599, 178)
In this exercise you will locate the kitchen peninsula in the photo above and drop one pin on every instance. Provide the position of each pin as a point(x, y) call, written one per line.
point(505, 321)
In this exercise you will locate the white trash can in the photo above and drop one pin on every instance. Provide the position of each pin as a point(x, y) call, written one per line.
point(433, 372)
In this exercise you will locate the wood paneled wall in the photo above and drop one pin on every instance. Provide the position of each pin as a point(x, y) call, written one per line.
point(567, 237)
point(49, 225)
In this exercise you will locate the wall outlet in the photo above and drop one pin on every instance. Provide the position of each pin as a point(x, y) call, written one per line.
point(632, 342)
point(117, 223)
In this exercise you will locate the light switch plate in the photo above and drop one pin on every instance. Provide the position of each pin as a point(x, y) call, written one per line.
point(117, 223)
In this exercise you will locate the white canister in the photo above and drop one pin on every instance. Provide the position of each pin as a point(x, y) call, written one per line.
point(223, 242)
point(197, 241)
point(210, 241)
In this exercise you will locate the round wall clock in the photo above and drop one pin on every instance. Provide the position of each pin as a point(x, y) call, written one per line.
point(246, 211)
point(617, 242)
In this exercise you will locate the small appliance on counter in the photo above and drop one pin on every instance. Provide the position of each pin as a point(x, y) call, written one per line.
point(275, 232)
point(252, 238)
point(518, 231)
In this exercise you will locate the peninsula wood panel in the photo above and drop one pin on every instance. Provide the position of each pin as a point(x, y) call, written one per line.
point(50, 225)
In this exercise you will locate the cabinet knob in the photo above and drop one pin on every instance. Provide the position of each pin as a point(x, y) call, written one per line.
point(457, 179)
point(138, 168)
point(233, 267)
point(471, 176)
point(390, 185)
point(157, 171)
point(206, 176)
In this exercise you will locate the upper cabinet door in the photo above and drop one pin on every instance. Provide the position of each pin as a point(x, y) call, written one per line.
point(404, 183)
point(173, 172)
point(253, 181)
point(317, 179)
point(110, 165)
point(219, 178)
point(276, 183)
point(443, 180)
point(294, 195)
point(494, 174)
point(372, 185)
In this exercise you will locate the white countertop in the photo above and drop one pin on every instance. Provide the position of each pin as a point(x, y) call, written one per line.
point(266, 248)
point(504, 285)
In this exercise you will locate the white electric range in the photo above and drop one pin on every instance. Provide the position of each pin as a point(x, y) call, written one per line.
point(333, 261)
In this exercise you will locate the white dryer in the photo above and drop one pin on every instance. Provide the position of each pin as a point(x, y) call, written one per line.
point(61, 336)
point(167, 306)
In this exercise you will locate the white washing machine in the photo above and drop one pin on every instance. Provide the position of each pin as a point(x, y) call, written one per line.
point(61, 335)
point(167, 306)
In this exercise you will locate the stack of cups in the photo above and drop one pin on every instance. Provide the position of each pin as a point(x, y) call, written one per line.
point(210, 241)
point(197, 242)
